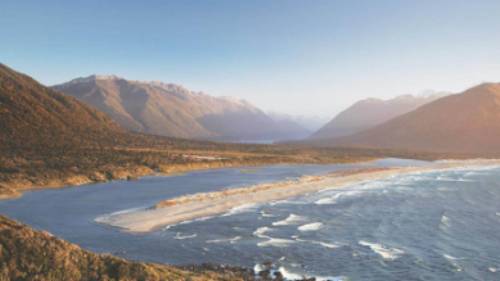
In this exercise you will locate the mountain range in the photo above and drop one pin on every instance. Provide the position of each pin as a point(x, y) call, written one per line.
point(371, 112)
point(171, 110)
point(468, 122)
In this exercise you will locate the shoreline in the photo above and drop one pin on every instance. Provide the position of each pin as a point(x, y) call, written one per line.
point(200, 205)
point(15, 188)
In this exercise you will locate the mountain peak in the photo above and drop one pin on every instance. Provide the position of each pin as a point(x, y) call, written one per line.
point(93, 78)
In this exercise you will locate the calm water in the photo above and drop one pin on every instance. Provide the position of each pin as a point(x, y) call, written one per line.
point(427, 226)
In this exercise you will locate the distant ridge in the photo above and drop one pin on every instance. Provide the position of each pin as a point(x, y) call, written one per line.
point(468, 122)
point(171, 110)
point(370, 112)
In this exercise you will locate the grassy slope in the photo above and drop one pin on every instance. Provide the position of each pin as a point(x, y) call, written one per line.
point(26, 254)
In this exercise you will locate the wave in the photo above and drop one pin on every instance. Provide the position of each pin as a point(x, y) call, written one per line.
point(453, 262)
point(444, 178)
point(266, 215)
point(187, 222)
point(224, 240)
point(288, 275)
point(179, 236)
point(445, 222)
point(259, 232)
point(385, 252)
point(275, 242)
point(310, 226)
point(240, 209)
point(324, 244)
point(106, 217)
point(328, 245)
point(291, 219)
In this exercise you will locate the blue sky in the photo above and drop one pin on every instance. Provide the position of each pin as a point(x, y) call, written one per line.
point(297, 57)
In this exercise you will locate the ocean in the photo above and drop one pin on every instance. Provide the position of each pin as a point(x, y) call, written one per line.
point(423, 226)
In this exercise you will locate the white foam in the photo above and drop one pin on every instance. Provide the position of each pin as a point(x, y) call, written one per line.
point(224, 240)
point(385, 252)
point(275, 242)
point(329, 245)
point(453, 262)
point(179, 236)
point(493, 269)
point(106, 217)
point(448, 257)
point(240, 209)
point(259, 232)
point(188, 222)
point(445, 221)
point(324, 244)
point(266, 215)
point(310, 226)
point(290, 275)
point(291, 219)
point(258, 268)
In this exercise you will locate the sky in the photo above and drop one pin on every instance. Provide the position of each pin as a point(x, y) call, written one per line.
point(310, 58)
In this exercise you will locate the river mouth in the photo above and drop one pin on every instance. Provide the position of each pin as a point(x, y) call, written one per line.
point(443, 224)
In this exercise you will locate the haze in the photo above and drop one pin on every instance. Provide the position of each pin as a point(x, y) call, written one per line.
point(294, 57)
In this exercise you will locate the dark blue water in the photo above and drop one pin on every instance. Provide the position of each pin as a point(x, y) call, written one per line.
point(429, 226)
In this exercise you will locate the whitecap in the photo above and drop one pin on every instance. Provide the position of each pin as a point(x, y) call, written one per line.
point(258, 268)
point(107, 217)
point(453, 262)
point(329, 245)
point(310, 226)
point(385, 252)
point(275, 242)
point(493, 269)
point(448, 257)
point(179, 236)
point(333, 199)
point(266, 215)
point(445, 220)
point(290, 276)
point(224, 240)
point(291, 219)
point(259, 232)
point(240, 209)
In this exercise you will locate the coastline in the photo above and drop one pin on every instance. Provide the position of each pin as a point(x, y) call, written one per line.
point(200, 205)
point(15, 188)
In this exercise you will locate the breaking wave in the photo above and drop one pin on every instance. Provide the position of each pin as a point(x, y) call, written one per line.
point(310, 226)
point(290, 220)
point(385, 252)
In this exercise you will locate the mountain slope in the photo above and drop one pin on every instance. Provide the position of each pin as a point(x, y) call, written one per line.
point(370, 112)
point(171, 110)
point(464, 123)
point(31, 114)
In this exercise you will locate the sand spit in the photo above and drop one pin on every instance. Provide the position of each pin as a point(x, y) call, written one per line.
point(201, 205)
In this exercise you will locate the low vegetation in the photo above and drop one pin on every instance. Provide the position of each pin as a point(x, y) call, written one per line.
point(30, 255)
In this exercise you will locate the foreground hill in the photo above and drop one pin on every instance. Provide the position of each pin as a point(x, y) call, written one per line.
point(370, 112)
point(171, 110)
point(468, 122)
point(26, 254)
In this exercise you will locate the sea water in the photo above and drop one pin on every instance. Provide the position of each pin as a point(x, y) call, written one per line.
point(423, 226)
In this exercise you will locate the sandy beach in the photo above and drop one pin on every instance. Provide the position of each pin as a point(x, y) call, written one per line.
point(200, 205)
